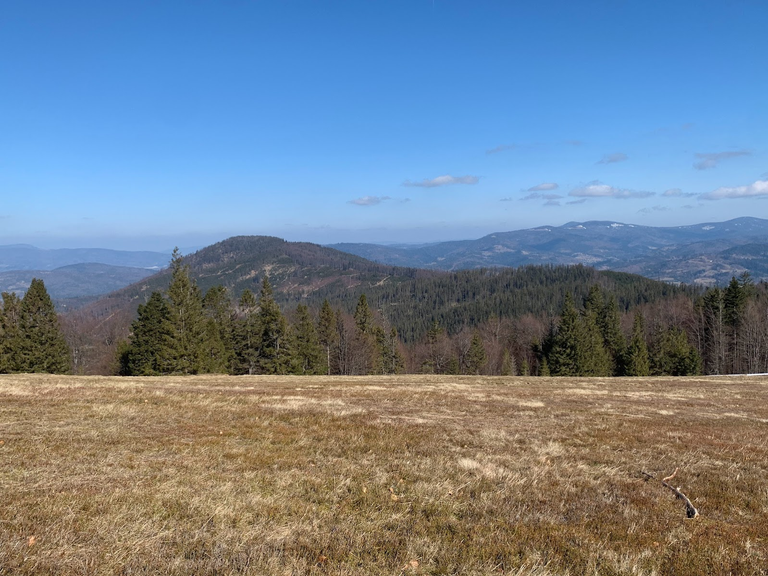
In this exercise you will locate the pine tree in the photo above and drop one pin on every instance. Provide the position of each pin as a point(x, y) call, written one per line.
point(637, 362)
point(476, 357)
point(150, 333)
point(508, 364)
point(391, 361)
point(9, 333)
point(326, 332)
point(218, 342)
point(673, 355)
point(274, 350)
point(564, 359)
point(613, 338)
point(184, 351)
point(40, 346)
point(365, 352)
point(307, 355)
point(247, 339)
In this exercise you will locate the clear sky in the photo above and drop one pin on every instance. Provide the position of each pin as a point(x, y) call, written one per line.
point(151, 123)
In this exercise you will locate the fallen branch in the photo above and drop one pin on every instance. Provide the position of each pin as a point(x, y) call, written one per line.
point(690, 509)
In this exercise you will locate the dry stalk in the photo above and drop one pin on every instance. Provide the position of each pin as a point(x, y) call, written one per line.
point(690, 509)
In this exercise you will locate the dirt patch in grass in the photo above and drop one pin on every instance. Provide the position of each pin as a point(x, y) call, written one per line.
point(381, 475)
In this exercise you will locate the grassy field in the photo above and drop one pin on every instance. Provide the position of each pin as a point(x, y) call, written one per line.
point(382, 475)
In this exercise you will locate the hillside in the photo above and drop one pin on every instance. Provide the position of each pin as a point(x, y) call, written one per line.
point(705, 254)
point(75, 280)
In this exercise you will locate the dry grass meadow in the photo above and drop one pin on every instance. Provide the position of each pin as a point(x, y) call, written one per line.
point(381, 475)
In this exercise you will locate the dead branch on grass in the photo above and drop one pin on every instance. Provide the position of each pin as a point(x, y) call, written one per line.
point(690, 509)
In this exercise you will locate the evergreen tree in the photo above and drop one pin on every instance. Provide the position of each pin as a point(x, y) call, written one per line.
point(274, 350)
point(363, 316)
point(476, 357)
point(673, 355)
point(218, 341)
point(307, 355)
point(637, 362)
point(40, 346)
point(184, 351)
point(365, 351)
point(391, 361)
point(150, 333)
point(613, 338)
point(593, 359)
point(246, 335)
point(507, 364)
point(326, 332)
point(9, 333)
point(564, 358)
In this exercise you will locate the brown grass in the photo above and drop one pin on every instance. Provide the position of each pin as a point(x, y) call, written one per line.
point(398, 475)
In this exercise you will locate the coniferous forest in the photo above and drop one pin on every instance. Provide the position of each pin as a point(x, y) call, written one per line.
point(541, 321)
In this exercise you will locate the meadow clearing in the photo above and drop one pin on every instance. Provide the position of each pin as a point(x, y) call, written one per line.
point(382, 475)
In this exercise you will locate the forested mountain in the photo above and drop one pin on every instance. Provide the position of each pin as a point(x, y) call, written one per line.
point(75, 280)
point(706, 254)
point(409, 300)
point(26, 257)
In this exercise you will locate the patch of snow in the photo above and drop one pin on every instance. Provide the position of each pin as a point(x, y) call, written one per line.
point(707, 227)
point(616, 225)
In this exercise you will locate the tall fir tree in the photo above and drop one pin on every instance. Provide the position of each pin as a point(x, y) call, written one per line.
point(594, 360)
point(326, 333)
point(307, 355)
point(184, 351)
point(247, 339)
point(613, 338)
point(564, 357)
point(150, 333)
point(274, 350)
point(672, 355)
point(9, 333)
point(476, 357)
point(365, 356)
point(41, 346)
point(637, 362)
point(218, 341)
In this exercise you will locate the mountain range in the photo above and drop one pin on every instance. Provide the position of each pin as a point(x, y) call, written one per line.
point(704, 254)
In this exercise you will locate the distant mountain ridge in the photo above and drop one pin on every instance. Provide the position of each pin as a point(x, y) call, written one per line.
point(75, 280)
point(26, 257)
point(706, 254)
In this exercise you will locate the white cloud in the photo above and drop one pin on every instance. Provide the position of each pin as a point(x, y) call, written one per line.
point(613, 158)
point(552, 203)
point(446, 180)
point(677, 193)
point(712, 159)
point(537, 195)
point(754, 190)
point(599, 190)
point(581, 201)
point(502, 148)
point(653, 209)
point(543, 186)
point(369, 200)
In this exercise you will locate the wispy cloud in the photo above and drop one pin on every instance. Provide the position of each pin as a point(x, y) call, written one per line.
point(613, 158)
point(711, 159)
point(446, 180)
point(501, 148)
point(653, 209)
point(575, 142)
point(538, 195)
point(677, 193)
point(754, 190)
point(600, 190)
point(580, 201)
point(552, 203)
point(543, 186)
point(369, 200)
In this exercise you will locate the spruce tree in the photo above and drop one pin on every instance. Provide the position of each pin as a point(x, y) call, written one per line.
point(9, 333)
point(637, 362)
point(673, 355)
point(218, 342)
point(40, 345)
point(366, 358)
point(247, 339)
point(476, 358)
point(564, 358)
point(274, 351)
point(307, 355)
point(184, 351)
point(391, 361)
point(326, 332)
point(507, 364)
point(613, 338)
point(150, 333)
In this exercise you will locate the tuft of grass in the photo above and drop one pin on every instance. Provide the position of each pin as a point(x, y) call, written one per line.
point(381, 475)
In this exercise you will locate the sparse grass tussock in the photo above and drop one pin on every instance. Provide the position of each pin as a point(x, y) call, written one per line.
point(381, 475)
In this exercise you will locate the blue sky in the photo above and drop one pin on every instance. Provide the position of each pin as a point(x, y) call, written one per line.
point(147, 124)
